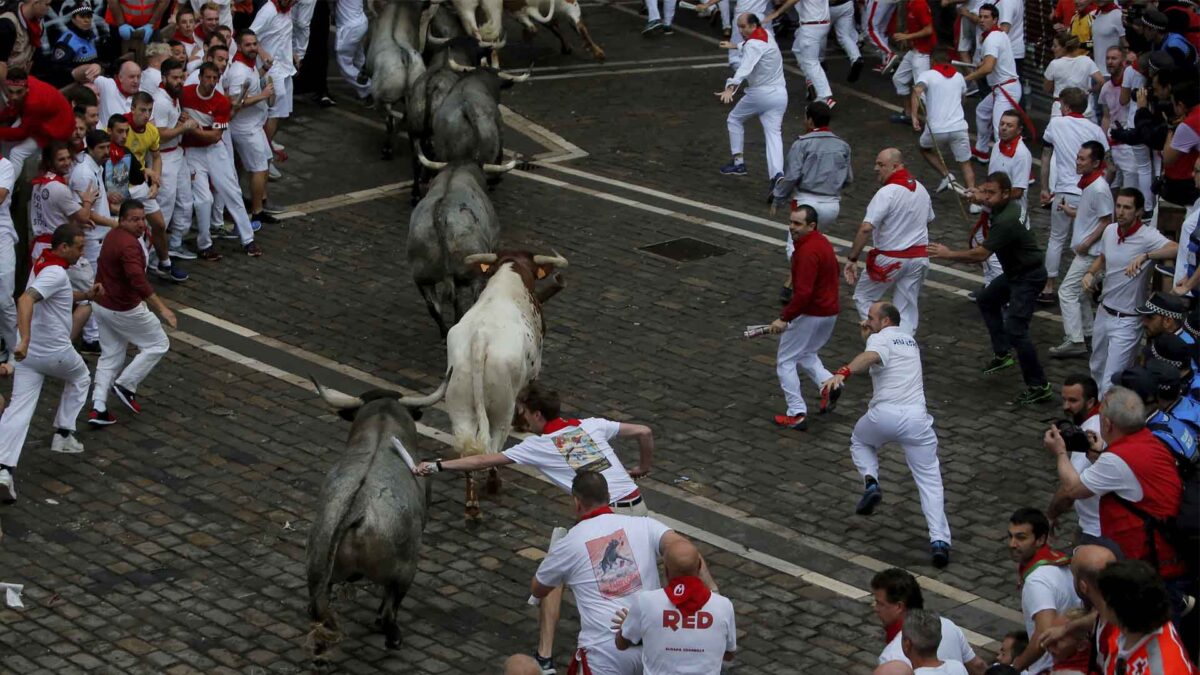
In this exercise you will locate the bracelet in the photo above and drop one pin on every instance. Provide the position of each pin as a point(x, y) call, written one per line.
point(438, 463)
point(853, 260)
point(844, 371)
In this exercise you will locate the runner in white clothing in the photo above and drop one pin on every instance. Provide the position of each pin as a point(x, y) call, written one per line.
point(759, 8)
point(44, 350)
point(809, 42)
point(684, 628)
point(1126, 249)
point(175, 189)
point(996, 64)
point(897, 595)
point(250, 99)
point(8, 259)
point(920, 639)
point(897, 414)
point(941, 89)
point(1011, 157)
point(761, 70)
point(1044, 577)
point(1091, 217)
point(351, 56)
point(606, 559)
point(897, 222)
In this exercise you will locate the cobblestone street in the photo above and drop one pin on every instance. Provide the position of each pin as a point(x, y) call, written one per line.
point(176, 542)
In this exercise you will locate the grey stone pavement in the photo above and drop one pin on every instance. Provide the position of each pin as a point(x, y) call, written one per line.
point(176, 542)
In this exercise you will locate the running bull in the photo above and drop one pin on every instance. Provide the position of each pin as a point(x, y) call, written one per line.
point(494, 351)
point(371, 511)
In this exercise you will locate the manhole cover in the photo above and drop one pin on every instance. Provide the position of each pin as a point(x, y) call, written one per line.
point(684, 249)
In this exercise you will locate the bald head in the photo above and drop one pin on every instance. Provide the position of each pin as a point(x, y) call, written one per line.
point(893, 668)
point(887, 162)
point(1086, 564)
point(682, 559)
point(129, 77)
point(520, 664)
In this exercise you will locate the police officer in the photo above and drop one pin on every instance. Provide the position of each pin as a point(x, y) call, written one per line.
point(1158, 385)
point(78, 45)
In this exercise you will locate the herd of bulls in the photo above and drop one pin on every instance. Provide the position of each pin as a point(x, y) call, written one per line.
point(437, 76)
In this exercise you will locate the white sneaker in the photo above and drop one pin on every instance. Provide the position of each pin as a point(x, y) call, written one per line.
point(8, 488)
point(947, 181)
point(272, 172)
point(276, 146)
point(67, 445)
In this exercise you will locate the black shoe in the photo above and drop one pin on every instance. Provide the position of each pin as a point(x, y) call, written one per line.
point(999, 362)
point(101, 418)
point(128, 398)
point(1050, 298)
point(89, 347)
point(855, 70)
point(812, 92)
point(829, 399)
point(940, 554)
point(871, 497)
point(1034, 395)
point(264, 218)
point(546, 663)
point(323, 100)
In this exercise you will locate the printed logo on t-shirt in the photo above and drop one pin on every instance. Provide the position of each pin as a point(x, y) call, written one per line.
point(580, 451)
point(614, 566)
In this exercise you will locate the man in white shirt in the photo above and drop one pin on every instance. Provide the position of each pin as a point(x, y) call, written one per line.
point(1126, 249)
point(250, 100)
point(116, 95)
point(896, 414)
point(1011, 157)
point(562, 449)
point(175, 188)
point(759, 8)
point(941, 89)
point(761, 70)
point(682, 628)
point(88, 175)
point(1091, 216)
point(1135, 160)
point(606, 559)
point(997, 65)
point(809, 43)
point(352, 30)
point(1081, 405)
point(897, 222)
point(1061, 141)
point(1012, 22)
point(1108, 28)
point(53, 202)
point(8, 259)
point(897, 594)
point(273, 24)
point(44, 350)
point(1044, 577)
point(920, 639)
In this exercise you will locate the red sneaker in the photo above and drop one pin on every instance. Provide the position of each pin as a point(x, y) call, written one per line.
point(101, 419)
point(797, 422)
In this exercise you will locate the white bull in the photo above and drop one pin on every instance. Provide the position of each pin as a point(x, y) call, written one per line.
point(469, 11)
point(531, 13)
point(493, 352)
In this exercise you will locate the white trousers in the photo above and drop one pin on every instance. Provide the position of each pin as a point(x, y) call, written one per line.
point(175, 196)
point(877, 15)
point(911, 67)
point(842, 18)
point(1078, 315)
point(212, 170)
point(905, 284)
point(28, 376)
point(17, 153)
point(8, 285)
point(798, 348)
point(807, 47)
point(988, 112)
point(1134, 164)
point(668, 11)
point(768, 105)
point(827, 208)
point(912, 428)
point(1115, 342)
point(1060, 232)
point(606, 659)
point(991, 267)
point(726, 19)
point(117, 330)
point(735, 56)
point(93, 240)
point(351, 30)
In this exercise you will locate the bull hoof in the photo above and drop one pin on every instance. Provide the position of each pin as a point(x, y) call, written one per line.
point(393, 642)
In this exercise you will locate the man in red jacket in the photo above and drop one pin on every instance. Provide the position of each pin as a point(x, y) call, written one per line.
point(806, 323)
point(45, 114)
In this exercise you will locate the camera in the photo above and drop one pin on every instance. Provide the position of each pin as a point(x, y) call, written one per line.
point(1074, 438)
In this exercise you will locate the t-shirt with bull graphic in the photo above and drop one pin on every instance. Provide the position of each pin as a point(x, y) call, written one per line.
point(579, 446)
point(606, 560)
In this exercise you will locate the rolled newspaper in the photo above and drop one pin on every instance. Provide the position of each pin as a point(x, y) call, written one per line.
point(756, 331)
point(412, 466)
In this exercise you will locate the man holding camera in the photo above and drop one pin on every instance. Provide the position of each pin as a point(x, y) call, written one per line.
point(1082, 411)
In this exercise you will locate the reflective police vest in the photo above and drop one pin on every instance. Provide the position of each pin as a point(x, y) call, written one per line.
point(75, 48)
point(1179, 435)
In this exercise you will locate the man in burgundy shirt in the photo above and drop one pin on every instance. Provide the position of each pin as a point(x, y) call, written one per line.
point(806, 322)
point(123, 317)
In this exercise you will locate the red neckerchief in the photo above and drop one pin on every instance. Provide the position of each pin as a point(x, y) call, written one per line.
point(688, 594)
point(280, 9)
point(1094, 410)
point(1089, 178)
point(1122, 235)
point(891, 630)
point(558, 423)
point(35, 28)
point(239, 57)
point(1076, 115)
point(123, 92)
point(185, 38)
point(816, 129)
point(902, 178)
point(759, 33)
point(116, 153)
point(199, 33)
point(129, 118)
point(49, 177)
point(48, 259)
point(982, 225)
point(77, 147)
point(595, 512)
point(987, 33)
point(1009, 148)
point(1043, 557)
point(948, 71)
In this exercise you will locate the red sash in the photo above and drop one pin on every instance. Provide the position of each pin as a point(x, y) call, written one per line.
point(882, 273)
point(579, 664)
point(982, 225)
point(1016, 106)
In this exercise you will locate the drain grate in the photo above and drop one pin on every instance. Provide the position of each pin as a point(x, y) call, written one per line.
point(684, 249)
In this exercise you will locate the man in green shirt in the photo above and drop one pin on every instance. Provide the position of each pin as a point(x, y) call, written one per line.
point(1008, 302)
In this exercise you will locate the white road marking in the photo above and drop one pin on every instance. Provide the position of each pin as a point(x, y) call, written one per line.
point(537, 72)
point(631, 71)
point(778, 564)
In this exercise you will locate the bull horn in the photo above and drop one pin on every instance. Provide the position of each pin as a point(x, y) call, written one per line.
point(424, 23)
point(435, 40)
point(458, 67)
point(476, 258)
point(429, 163)
point(516, 78)
point(556, 260)
point(426, 401)
point(500, 168)
point(334, 398)
point(494, 44)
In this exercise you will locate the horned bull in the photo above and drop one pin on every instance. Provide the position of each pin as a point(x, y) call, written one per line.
point(494, 351)
point(371, 511)
point(532, 13)
point(393, 62)
point(467, 126)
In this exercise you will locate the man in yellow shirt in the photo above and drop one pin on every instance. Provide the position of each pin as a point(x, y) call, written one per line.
point(142, 141)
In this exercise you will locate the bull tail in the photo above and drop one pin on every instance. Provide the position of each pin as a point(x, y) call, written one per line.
point(322, 556)
point(483, 431)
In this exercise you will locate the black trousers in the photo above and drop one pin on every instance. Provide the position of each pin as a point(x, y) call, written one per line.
point(314, 71)
point(1007, 306)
